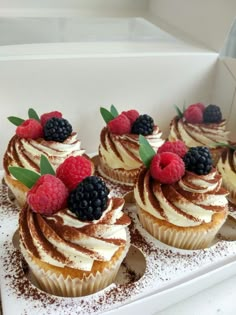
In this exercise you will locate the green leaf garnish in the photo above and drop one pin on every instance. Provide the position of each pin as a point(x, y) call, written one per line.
point(146, 151)
point(15, 120)
point(114, 111)
point(230, 146)
point(32, 114)
point(45, 166)
point(106, 115)
point(26, 177)
point(179, 112)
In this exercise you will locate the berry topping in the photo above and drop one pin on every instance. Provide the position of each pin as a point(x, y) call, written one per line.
point(194, 114)
point(200, 105)
point(198, 160)
point(30, 129)
point(73, 170)
point(178, 147)
point(212, 114)
point(143, 125)
point(45, 117)
point(48, 195)
point(57, 129)
point(167, 167)
point(132, 115)
point(89, 199)
point(119, 125)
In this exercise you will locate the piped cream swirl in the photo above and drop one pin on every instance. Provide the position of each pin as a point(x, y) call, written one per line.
point(198, 134)
point(189, 202)
point(63, 240)
point(27, 152)
point(122, 151)
point(227, 168)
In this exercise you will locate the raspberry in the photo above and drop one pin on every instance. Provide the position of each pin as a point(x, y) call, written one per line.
point(30, 129)
point(48, 195)
point(89, 199)
point(73, 170)
point(193, 114)
point(132, 115)
point(167, 167)
point(119, 125)
point(178, 147)
point(199, 105)
point(48, 116)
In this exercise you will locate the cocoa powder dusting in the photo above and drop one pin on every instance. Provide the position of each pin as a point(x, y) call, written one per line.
point(7, 202)
point(163, 264)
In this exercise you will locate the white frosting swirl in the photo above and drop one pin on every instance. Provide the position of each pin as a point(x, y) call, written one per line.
point(63, 240)
point(190, 202)
point(27, 152)
point(198, 134)
point(122, 151)
point(227, 168)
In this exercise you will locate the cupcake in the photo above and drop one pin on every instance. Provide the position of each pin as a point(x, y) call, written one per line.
point(119, 159)
point(36, 136)
point(180, 200)
point(226, 166)
point(200, 126)
point(73, 240)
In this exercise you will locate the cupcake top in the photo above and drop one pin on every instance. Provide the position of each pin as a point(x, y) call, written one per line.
point(50, 135)
point(199, 125)
point(119, 145)
point(62, 239)
point(227, 167)
point(182, 191)
point(67, 222)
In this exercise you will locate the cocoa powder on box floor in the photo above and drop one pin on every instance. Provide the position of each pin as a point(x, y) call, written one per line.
point(7, 206)
point(15, 274)
point(163, 264)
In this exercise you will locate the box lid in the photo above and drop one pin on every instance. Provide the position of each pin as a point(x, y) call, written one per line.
point(207, 22)
point(204, 22)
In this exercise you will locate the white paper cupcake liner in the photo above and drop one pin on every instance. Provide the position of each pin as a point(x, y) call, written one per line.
point(55, 284)
point(118, 175)
point(185, 239)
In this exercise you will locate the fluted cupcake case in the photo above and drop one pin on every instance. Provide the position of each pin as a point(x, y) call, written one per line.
point(186, 238)
point(64, 284)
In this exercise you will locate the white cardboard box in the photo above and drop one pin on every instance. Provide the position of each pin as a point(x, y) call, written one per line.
point(131, 70)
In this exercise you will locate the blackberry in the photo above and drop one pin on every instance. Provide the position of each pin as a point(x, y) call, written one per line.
point(198, 160)
point(212, 114)
point(57, 129)
point(143, 125)
point(89, 199)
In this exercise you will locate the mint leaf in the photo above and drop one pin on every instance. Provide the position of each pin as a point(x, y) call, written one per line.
point(221, 144)
point(45, 166)
point(146, 151)
point(32, 114)
point(26, 177)
point(180, 114)
point(15, 120)
point(114, 111)
point(106, 115)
